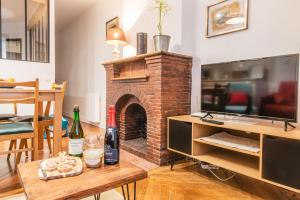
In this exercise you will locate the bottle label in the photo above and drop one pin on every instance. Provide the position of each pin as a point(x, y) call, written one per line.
point(110, 155)
point(75, 146)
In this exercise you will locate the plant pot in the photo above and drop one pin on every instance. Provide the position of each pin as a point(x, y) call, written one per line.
point(161, 42)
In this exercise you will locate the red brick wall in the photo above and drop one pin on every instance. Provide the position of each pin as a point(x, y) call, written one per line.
point(135, 119)
point(166, 92)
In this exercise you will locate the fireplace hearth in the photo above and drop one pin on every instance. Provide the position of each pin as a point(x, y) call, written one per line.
point(147, 89)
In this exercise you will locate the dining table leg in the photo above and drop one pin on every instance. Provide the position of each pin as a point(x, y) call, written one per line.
point(57, 126)
point(40, 131)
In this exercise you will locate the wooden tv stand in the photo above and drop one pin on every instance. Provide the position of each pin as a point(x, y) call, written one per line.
point(278, 149)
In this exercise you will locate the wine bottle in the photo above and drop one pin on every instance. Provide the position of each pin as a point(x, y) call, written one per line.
point(76, 135)
point(111, 143)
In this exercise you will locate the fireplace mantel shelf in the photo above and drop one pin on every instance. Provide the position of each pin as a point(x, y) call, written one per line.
point(141, 78)
point(142, 57)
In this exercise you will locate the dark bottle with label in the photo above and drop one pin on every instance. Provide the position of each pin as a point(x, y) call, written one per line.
point(111, 143)
point(76, 135)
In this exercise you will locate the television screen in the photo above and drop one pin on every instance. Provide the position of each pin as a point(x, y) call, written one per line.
point(266, 87)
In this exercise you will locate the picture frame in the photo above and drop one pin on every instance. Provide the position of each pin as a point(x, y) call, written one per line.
point(113, 23)
point(226, 17)
point(13, 48)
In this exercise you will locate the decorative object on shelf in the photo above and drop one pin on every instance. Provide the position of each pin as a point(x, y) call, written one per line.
point(141, 41)
point(226, 16)
point(116, 37)
point(161, 41)
point(113, 23)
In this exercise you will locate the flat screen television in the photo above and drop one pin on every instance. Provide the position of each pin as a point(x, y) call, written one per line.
point(263, 88)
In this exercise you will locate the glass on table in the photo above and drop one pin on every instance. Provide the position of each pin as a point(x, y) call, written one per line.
point(93, 151)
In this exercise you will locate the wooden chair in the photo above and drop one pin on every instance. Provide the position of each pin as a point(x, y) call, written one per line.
point(13, 143)
point(44, 121)
point(22, 130)
point(45, 124)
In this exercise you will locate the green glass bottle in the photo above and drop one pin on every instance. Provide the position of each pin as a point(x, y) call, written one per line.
point(76, 135)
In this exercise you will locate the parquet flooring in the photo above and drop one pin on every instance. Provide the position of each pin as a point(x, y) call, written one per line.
point(187, 181)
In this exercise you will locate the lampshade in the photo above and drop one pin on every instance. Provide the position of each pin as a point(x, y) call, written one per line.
point(116, 36)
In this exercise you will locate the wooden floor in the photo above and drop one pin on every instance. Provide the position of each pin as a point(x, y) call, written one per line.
point(186, 182)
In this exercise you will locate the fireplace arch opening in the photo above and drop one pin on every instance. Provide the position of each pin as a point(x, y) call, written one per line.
point(132, 120)
point(135, 122)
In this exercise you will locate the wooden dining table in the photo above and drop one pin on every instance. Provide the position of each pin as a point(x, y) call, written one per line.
point(54, 96)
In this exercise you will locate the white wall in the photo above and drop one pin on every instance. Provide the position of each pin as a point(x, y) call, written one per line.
point(273, 30)
point(81, 46)
point(81, 49)
point(140, 16)
point(28, 71)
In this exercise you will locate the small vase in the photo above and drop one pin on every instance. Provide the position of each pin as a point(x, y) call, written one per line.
point(161, 42)
point(141, 43)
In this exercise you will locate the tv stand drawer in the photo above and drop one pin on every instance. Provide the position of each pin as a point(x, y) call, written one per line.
point(180, 136)
point(281, 161)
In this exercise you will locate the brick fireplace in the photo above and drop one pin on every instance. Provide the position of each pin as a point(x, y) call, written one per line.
point(147, 89)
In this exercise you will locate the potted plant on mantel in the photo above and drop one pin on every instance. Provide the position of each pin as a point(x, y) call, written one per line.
point(161, 41)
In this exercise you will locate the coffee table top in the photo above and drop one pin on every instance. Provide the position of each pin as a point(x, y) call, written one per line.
point(90, 182)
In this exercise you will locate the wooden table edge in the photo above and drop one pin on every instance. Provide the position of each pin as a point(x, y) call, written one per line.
point(92, 191)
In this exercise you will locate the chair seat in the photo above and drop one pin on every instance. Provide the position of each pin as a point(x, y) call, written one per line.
point(6, 116)
point(29, 118)
point(15, 128)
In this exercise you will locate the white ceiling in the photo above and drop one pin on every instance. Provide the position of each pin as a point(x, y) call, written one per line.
point(14, 10)
point(67, 10)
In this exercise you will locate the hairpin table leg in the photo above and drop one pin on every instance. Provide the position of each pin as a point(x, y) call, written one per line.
point(123, 192)
point(172, 165)
point(128, 194)
point(128, 198)
point(97, 196)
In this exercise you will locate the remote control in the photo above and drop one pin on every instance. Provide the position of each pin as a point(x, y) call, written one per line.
point(213, 121)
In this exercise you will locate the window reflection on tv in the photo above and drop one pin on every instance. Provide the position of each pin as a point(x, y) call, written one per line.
point(266, 87)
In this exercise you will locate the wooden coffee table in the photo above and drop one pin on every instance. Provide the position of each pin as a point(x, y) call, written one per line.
point(90, 182)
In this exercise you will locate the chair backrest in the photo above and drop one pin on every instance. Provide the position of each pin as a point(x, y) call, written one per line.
point(4, 99)
point(287, 91)
point(6, 96)
point(241, 87)
point(55, 86)
point(61, 87)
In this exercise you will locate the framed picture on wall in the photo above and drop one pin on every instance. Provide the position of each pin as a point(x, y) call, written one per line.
point(13, 48)
point(226, 17)
point(113, 23)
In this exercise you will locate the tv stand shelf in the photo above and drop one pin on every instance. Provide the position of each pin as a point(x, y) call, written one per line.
point(184, 133)
point(226, 147)
point(232, 161)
